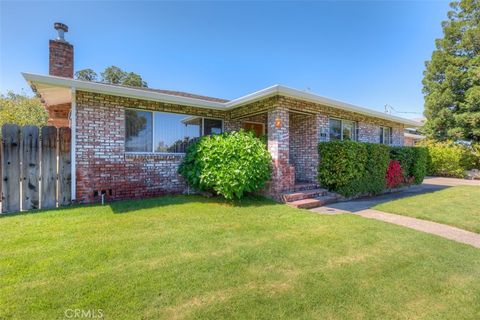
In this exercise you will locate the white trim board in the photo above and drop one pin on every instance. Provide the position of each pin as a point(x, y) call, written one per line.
point(36, 80)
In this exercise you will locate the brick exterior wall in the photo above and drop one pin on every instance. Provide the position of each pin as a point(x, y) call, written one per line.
point(398, 138)
point(304, 137)
point(368, 132)
point(61, 59)
point(283, 173)
point(58, 115)
point(237, 124)
point(103, 165)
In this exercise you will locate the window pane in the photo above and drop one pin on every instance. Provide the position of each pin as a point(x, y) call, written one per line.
point(212, 126)
point(335, 129)
point(388, 135)
point(138, 131)
point(174, 132)
point(349, 130)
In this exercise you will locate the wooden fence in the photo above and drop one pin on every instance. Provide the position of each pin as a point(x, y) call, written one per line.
point(35, 166)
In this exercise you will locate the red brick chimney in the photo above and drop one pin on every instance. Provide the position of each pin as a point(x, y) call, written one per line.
point(61, 54)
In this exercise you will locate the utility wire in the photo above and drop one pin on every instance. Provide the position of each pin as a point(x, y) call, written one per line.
point(389, 109)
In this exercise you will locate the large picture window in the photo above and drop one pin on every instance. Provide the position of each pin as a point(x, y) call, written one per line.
point(163, 132)
point(138, 131)
point(343, 130)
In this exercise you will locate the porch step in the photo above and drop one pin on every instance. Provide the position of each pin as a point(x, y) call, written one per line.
point(303, 186)
point(306, 194)
point(314, 202)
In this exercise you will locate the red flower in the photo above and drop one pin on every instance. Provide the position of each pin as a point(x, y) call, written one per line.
point(394, 175)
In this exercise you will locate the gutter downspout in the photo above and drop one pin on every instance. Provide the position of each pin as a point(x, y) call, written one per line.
point(73, 127)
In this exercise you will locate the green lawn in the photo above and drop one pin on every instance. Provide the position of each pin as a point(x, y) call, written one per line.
point(191, 258)
point(455, 206)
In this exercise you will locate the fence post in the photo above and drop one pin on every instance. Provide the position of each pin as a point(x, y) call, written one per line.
point(30, 168)
point(64, 167)
point(10, 168)
point(49, 167)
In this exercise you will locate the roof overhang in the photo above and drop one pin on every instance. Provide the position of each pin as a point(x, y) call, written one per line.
point(56, 90)
point(414, 136)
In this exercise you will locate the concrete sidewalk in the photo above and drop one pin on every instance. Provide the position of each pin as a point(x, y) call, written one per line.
point(438, 229)
point(430, 184)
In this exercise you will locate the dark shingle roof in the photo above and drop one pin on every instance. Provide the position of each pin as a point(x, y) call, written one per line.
point(174, 93)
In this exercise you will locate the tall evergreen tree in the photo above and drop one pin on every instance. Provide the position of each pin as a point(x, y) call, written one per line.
point(451, 83)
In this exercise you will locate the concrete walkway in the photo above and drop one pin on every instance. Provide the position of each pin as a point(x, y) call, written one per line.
point(430, 184)
point(438, 229)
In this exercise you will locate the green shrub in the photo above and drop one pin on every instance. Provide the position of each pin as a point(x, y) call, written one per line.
point(229, 164)
point(449, 159)
point(354, 168)
point(419, 166)
point(476, 154)
point(342, 166)
point(375, 168)
point(404, 155)
point(413, 161)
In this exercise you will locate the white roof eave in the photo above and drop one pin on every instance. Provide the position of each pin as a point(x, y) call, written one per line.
point(32, 79)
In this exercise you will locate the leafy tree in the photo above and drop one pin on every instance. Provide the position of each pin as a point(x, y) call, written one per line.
point(86, 75)
point(452, 77)
point(115, 75)
point(133, 79)
point(22, 110)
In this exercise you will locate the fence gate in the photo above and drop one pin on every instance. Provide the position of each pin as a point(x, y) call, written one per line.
point(35, 166)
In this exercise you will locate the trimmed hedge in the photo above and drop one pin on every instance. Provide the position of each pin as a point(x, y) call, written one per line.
point(229, 164)
point(419, 166)
point(375, 167)
point(449, 159)
point(355, 168)
point(342, 166)
point(352, 168)
point(413, 161)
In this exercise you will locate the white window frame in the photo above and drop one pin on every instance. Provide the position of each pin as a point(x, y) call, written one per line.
point(355, 128)
point(390, 136)
point(153, 131)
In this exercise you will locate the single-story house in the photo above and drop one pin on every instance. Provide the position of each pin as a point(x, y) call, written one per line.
point(128, 142)
point(412, 136)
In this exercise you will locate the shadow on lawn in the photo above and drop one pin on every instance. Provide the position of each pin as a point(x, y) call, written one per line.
point(126, 206)
point(369, 202)
point(162, 201)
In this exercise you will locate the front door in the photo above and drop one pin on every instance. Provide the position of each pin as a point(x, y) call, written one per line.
point(255, 127)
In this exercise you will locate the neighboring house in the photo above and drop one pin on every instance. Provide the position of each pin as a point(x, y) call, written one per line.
point(128, 142)
point(412, 135)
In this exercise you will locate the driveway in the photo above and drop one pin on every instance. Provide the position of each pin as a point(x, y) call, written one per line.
point(430, 184)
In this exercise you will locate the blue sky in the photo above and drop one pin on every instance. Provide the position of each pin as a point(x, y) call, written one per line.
point(365, 53)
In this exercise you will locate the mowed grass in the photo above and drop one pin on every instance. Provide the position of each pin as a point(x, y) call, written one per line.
point(191, 258)
point(455, 206)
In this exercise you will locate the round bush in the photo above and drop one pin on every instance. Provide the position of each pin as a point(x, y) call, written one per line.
point(230, 164)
